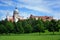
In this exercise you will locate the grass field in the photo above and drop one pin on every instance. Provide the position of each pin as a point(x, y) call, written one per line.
point(31, 36)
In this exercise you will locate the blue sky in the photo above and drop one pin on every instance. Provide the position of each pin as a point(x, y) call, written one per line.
point(27, 7)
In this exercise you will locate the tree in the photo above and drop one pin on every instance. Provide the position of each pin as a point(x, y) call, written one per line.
point(53, 26)
point(58, 24)
point(39, 26)
point(27, 27)
point(2, 29)
point(9, 26)
point(19, 27)
point(33, 23)
point(46, 24)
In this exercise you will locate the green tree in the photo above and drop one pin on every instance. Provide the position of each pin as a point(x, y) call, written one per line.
point(27, 27)
point(2, 29)
point(46, 24)
point(58, 25)
point(53, 26)
point(40, 26)
point(9, 26)
point(19, 27)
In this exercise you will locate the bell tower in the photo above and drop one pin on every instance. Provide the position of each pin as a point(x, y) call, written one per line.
point(15, 15)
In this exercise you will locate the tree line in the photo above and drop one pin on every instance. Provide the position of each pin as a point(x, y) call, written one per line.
point(29, 26)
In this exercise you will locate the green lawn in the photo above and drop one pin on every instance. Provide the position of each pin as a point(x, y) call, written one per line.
point(31, 36)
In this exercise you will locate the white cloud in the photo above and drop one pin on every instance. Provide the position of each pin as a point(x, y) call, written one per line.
point(43, 6)
point(7, 3)
point(37, 5)
point(6, 11)
point(24, 14)
point(3, 13)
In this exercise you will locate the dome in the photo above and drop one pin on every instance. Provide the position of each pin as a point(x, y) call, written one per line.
point(16, 11)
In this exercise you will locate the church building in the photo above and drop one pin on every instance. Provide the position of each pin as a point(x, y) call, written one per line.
point(15, 16)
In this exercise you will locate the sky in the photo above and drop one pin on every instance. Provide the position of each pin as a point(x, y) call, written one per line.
point(28, 7)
